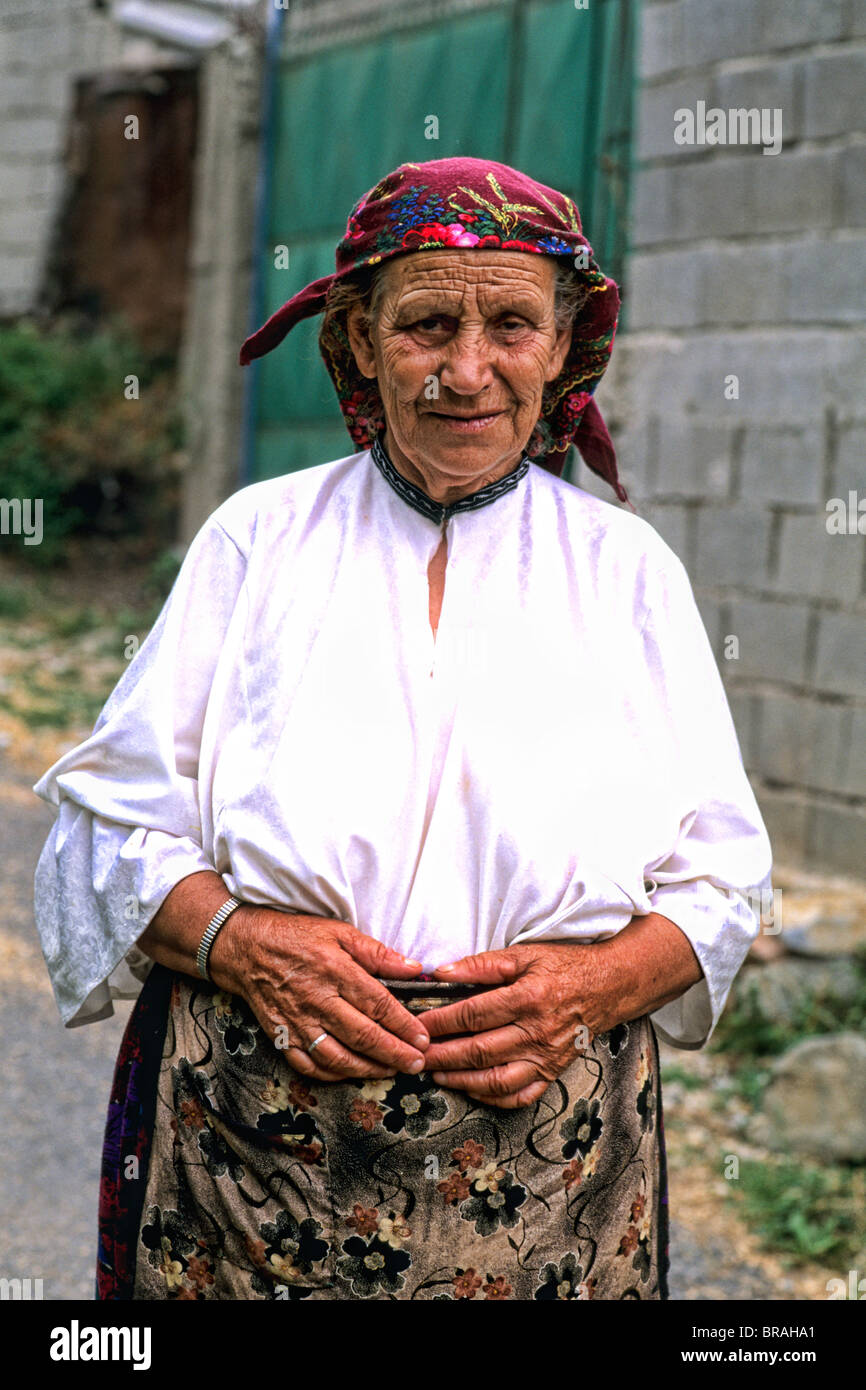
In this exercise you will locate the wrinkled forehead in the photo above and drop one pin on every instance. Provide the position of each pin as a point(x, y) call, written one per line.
point(456, 275)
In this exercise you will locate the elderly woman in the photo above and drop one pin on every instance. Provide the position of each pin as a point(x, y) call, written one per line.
point(419, 813)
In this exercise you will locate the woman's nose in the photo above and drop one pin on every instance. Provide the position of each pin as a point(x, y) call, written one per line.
point(468, 366)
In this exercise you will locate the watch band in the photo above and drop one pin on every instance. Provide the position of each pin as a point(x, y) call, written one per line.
point(211, 932)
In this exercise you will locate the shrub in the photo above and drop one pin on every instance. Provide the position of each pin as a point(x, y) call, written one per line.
point(101, 463)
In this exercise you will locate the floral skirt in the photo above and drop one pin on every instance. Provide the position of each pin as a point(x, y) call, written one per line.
point(228, 1175)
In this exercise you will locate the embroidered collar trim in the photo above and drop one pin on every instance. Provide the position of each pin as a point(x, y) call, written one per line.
point(438, 511)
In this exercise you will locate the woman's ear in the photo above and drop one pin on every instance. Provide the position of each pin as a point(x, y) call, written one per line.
point(559, 352)
point(360, 342)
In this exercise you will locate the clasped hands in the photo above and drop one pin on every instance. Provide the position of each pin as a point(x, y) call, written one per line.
point(304, 976)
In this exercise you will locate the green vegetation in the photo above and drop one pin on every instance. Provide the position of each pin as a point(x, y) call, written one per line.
point(101, 464)
point(745, 1029)
point(63, 657)
point(679, 1076)
point(803, 1211)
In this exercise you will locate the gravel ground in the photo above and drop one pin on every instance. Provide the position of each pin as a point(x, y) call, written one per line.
point(55, 1091)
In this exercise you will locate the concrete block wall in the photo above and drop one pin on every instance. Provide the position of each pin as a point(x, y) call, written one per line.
point(39, 64)
point(753, 266)
point(42, 55)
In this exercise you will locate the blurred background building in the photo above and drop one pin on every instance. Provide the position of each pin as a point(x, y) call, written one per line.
point(736, 388)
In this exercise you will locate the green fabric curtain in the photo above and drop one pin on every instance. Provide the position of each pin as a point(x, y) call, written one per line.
point(538, 84)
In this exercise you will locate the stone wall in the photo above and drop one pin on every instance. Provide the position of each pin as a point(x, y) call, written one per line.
point(42, 51)
point(39, 64)
point(752, 266)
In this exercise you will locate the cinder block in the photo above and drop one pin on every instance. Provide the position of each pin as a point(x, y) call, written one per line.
point(792, 191)
point(853, 763)
point(768, 87)
point(786, 817)
point(738, 288)
point(797, 22)
point(711, 613)
point(660, 45)
point(711, 195)
point(635, 452)
point(22, 226)
point(836, 836)
point(664, 289)
point(26, 137)
point(694, 458)
point(670, 520)
point(654, 218)
point(714, 32)
point(815, 564)
point(852, 169)
point(833, 101)
point(780, 376)
point(18, 277)
point(827, 292)
point(800, 741)
point(656, 107)
point(24, 94)
point(843, 371)
point(783, 465)
point(850, 469)
point(743, 714)
point(841, 658)
point(732, 545)
point(772, 639)
point(30, 41)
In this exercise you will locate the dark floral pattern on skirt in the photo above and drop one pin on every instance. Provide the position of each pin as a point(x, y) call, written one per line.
point(263, 1185)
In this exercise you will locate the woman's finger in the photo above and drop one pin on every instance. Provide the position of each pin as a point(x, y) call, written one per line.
point(374, 956)
point(478, 1050)
point(485, 968)
point(489, 1081)
point(371, 998)
point(332, 1056)
point(302, 1062)
point(357, 1031)
point(527, 1095)
point(479, 1014)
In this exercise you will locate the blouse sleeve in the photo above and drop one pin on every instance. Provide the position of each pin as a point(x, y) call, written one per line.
point(720, 864)
point(129, 827)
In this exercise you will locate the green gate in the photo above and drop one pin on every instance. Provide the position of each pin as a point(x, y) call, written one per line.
point(539, 84)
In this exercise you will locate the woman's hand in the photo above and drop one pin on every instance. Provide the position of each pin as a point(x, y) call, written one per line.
point(303, 976)
point(521, 1036)
point(554, 998)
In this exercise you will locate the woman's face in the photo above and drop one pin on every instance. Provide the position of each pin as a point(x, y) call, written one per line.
point(462, 346)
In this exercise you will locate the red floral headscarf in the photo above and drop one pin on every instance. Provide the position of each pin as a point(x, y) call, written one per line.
point(471, 203)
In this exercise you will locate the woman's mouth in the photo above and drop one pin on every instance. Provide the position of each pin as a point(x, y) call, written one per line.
point(466, 424)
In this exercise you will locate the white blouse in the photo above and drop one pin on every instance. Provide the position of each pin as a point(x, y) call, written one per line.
point(560, 757)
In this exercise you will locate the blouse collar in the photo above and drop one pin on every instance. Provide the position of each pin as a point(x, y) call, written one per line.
point(438, 511)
